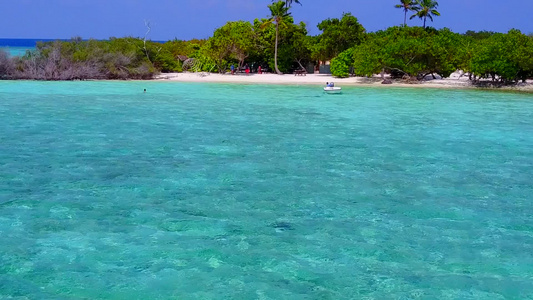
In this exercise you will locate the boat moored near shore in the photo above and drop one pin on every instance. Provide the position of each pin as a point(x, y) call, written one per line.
point(332, 90)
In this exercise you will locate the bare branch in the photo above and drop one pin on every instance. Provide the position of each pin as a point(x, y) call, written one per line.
point(149, 28)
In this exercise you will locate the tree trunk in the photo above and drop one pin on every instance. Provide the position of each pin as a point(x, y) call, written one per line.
point(276, 51)
point(405, 19)
point(298, 61)
point(424, 22)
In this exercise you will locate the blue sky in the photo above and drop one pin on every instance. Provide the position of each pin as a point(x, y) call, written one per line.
point(186, 19)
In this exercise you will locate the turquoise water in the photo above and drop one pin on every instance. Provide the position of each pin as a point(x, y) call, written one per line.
point(206, 191)
point(17, 51)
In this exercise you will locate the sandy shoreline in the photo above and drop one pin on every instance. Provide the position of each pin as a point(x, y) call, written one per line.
point(454, 82)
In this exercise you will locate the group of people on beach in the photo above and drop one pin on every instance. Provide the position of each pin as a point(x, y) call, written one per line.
point(246, 69)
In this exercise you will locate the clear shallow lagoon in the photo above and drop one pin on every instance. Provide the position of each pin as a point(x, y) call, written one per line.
point(206, 191)
point(18, 47)
point(17, 51)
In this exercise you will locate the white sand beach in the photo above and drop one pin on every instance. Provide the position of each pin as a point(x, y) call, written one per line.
point(454, 81)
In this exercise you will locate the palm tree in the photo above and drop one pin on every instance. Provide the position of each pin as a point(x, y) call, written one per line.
point(288, 3)
point(426, 10)
point(407, 5)
point(278, 13)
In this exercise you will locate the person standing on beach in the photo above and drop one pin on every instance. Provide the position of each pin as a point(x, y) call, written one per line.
point(232, 69)
point(259, 70)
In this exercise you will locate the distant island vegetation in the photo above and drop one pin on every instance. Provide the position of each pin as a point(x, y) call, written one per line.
point(279, 44)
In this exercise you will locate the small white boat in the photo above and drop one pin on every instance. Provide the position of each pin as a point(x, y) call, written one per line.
point(332, 89)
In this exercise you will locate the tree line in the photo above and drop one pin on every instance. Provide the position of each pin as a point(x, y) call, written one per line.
point(415, 52)
point(117, 58)
point(277, 43)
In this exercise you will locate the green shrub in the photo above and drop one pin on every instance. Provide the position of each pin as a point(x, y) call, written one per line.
point(340, 65)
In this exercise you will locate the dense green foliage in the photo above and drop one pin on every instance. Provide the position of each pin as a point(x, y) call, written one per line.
point(340, 65)
point(504, 57)
point(293, 45)
point(235, 40)
point(408, 51)
point(415, 52)
point(479, 35)
point(168, 58)
point(337, 36)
